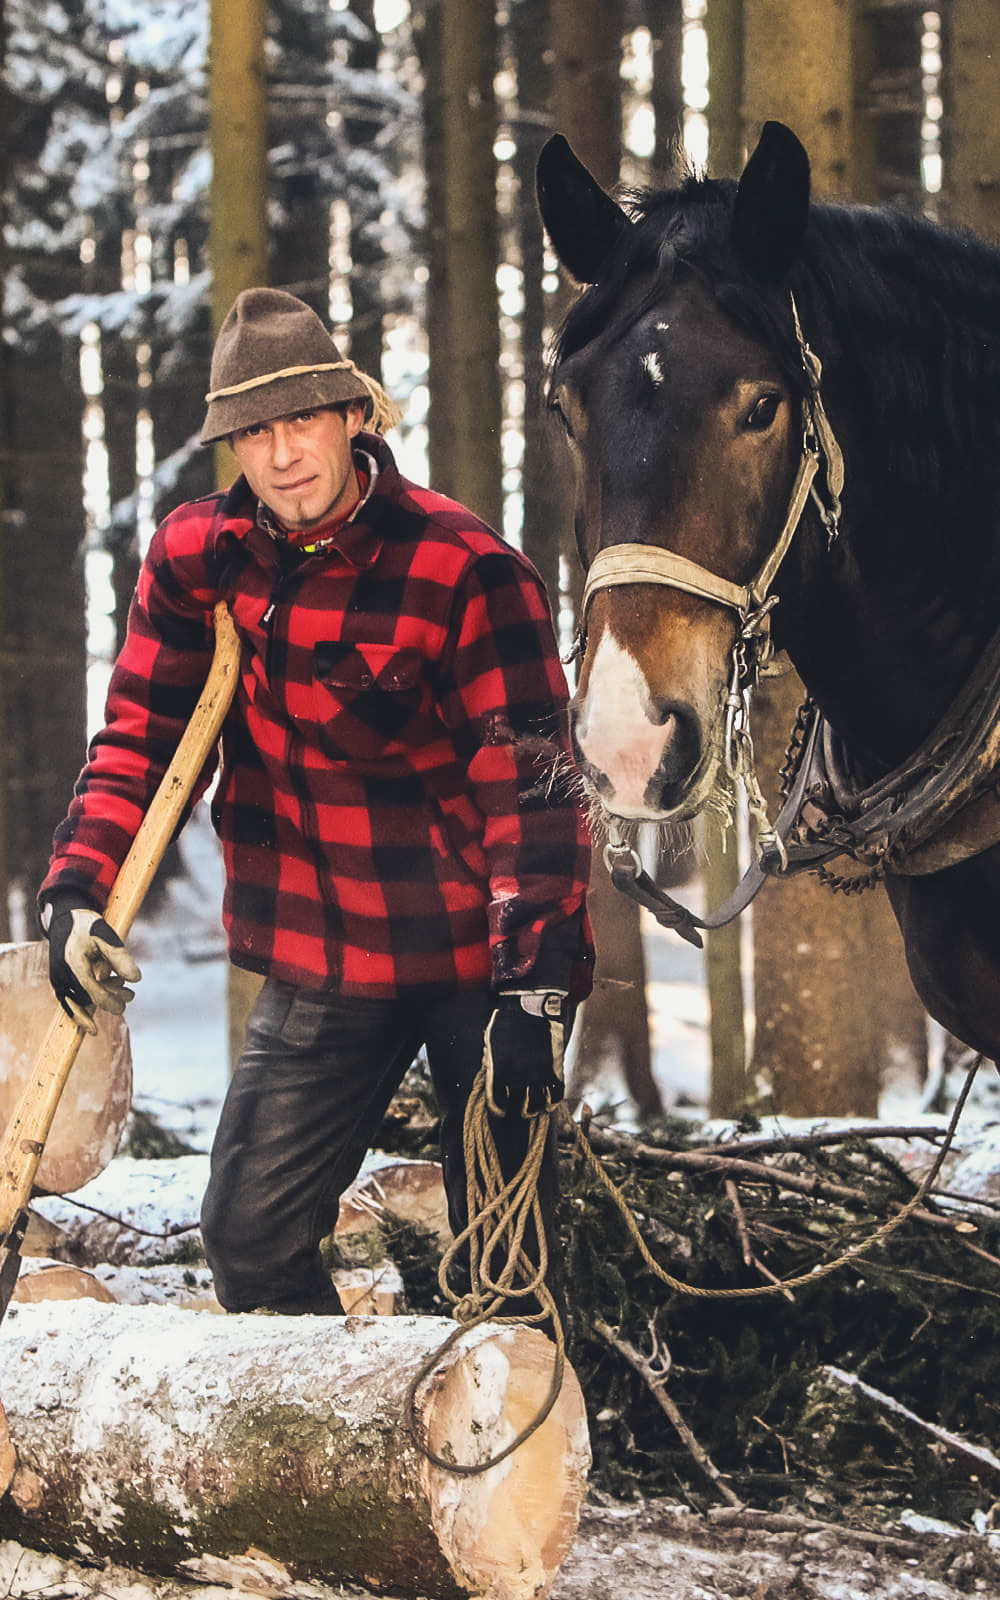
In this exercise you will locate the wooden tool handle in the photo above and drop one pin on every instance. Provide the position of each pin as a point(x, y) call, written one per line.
point(25, 1135)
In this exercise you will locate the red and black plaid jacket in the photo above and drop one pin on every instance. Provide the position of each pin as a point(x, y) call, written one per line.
point(394, 802)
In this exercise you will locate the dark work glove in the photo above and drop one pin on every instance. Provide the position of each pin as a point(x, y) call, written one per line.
point(88, 964)
point(523, 1052)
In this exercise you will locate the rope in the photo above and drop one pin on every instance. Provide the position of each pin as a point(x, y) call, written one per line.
point(500, 1267)
point(815, 1274)
point(499, 1213)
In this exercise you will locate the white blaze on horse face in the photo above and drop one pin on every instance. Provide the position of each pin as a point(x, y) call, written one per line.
point(652, 365)
point(613, 729)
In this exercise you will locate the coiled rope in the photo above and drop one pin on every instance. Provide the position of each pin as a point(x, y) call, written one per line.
point(499, 1213)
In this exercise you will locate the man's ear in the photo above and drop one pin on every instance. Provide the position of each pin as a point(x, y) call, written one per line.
point(354, 416)
point(584, 224)
point(772, 205)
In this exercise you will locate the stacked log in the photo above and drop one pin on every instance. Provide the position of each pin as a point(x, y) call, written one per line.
point(166, 1439)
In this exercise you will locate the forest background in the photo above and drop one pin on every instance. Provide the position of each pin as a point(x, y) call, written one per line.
point(376, 157)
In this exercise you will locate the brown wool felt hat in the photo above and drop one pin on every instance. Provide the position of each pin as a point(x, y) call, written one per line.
point(273, 356)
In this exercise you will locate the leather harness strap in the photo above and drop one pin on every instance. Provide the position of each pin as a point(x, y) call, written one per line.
point(645, 563)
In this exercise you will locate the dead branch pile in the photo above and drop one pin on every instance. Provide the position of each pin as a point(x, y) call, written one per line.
point(876, 1389)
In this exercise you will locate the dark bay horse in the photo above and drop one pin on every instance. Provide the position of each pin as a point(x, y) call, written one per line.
point(731, 483)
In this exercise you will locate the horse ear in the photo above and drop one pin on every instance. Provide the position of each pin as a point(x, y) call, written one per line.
point(772, 204)
point(583, 222)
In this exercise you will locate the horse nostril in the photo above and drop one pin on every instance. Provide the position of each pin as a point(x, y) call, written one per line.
point(681, 754)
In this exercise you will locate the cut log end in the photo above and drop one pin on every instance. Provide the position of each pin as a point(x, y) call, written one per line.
point(506, 1532)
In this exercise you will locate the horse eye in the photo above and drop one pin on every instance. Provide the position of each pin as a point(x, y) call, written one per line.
point(563, 418)
point(764, 413)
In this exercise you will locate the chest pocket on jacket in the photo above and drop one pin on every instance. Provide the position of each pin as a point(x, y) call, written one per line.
point(367, 697)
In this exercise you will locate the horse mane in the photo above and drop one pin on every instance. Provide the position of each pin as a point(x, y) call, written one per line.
point(904, 314)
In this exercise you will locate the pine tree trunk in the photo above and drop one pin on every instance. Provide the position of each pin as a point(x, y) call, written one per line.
point(468, 64)
point(826, 1026)
point(545, 475)
point(164, 1438)
point(5, 446)
point(724, 26)
point(45, 642)
point(667, 26)
point(972, 98)
point(427, 25)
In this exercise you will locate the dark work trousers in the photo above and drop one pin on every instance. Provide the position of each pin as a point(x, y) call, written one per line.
point(316, 1075)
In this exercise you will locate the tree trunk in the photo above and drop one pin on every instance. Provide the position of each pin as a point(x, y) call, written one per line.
point(545, 475)
point(5, 444)
point(972, 149)
point(468, 64)
point(836, 1012)
point(727, 1096)
point(427, 26)
point(366, 246)
point(667, 26)
point(45, 642)
point(238, 127)
point(829, 995)
point(614, 1022)
point(724, 26)
point(161, 1437)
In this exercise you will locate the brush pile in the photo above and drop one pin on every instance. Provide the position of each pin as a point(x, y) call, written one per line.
point(871, 1393)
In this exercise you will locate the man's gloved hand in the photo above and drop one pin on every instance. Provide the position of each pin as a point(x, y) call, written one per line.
point(524, 1052)
point(88, 964)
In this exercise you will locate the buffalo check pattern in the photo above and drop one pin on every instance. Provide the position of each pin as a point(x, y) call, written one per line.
point(395, 800)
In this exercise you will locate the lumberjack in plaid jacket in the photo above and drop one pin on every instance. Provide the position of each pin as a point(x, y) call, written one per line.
point(394, 801)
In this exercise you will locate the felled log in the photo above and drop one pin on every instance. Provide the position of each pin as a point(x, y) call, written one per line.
point(148, 1211)
point(55, 1280)
point(93, 1110)
point(162, 1438)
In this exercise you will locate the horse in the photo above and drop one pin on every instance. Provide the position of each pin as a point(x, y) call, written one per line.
point(785, 422)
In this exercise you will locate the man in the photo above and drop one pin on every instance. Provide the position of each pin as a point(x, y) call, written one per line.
point(403, 861)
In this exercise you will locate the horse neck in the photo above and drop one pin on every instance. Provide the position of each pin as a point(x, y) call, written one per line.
point(886, 626)
point(883, 650)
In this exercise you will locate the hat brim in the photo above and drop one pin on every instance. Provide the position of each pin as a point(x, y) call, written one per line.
point(304, 391)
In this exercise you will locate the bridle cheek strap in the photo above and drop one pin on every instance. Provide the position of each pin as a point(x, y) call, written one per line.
point(645, 563)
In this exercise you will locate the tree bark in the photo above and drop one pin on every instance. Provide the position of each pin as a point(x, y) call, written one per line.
point(614, 1021)
point(468, 64)
point(829, 991)
point(972, 149)
point(160, 1437)
point(724, 26)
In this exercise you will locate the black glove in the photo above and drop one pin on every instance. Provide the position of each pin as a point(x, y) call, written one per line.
point(523, 1052)
point(88, 964)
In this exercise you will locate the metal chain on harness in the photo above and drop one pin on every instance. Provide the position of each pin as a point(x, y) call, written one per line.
point(824, 830)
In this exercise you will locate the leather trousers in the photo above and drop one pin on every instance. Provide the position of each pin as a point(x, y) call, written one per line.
point(313, 1083)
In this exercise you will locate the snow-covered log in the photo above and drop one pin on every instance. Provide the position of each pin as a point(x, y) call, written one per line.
point(56, 1280)
point(147, 1211)
point(165, 1438)
point(94, 1107)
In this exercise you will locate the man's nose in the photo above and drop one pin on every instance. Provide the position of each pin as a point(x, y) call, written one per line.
point(283, 444)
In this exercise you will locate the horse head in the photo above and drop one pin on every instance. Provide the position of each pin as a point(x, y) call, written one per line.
point(685, 423)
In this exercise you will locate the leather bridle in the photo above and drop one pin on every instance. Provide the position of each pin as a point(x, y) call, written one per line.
point(649, 564)
point(646, 563)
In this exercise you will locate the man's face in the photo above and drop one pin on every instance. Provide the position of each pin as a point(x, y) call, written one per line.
point(301, 465)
